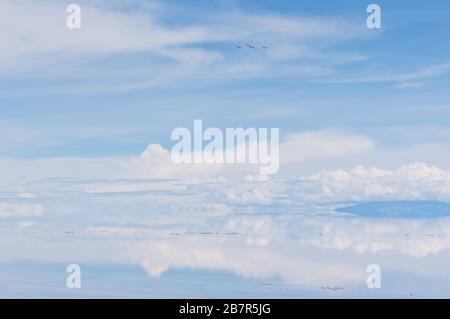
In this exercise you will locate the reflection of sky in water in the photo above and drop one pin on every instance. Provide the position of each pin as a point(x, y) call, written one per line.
point(233, 254)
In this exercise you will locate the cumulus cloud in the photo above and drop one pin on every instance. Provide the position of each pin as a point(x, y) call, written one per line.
point(155, 161)
point(154, 171)
point(325, 144)
point(416, 181)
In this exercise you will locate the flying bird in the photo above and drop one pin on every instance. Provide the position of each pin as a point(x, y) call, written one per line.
point(250, 46)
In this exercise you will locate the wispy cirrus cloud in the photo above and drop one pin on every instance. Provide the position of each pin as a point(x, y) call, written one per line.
point(401, 79)
point(155, 53)
point(410, 85)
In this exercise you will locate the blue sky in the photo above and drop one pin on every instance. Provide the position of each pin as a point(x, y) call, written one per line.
point(123, 100)
point(86, 117)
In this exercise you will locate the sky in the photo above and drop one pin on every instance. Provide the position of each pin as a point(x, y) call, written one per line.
point(137, 70)
point(86, 117)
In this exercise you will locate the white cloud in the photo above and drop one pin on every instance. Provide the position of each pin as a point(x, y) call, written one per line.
point(416, 181)
point(407, 79)
point(32, 28)
point(410, 85)
point(294, 149)
point(325, 144)
point(20, 210)
point(237, 184)
point(37, 38)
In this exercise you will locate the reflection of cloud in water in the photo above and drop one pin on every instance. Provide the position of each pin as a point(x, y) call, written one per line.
point(311, 251)
point(296, 264)
point(417, 238)
point(221, 227)
point(303, 251)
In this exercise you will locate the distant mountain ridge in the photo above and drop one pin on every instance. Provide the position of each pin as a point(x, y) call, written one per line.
point(399, 209)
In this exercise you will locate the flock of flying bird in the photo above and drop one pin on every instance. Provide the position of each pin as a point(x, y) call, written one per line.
point(250, 46)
